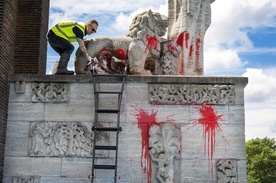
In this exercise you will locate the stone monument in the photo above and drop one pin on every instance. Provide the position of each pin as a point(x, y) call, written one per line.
point(175, 128)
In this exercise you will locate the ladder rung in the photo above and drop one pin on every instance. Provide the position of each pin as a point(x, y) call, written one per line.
point(114, 129)
point(107, 110)
point(106, 147)
point(104, 166)
point(108, 92)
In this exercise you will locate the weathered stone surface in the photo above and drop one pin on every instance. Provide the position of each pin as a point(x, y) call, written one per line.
point(203, 139)
point(69, 112)
point(25, 112)
point(26, 166)
point(188, 22)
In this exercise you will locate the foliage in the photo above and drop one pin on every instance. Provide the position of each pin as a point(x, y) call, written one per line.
point(261, 160)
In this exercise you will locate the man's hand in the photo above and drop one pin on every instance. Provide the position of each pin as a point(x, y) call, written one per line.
point(92, 60)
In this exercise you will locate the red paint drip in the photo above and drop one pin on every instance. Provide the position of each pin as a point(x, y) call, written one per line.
point(187, 37)
point(183, 41)
point(152, 43)
point(210, 124)
point(191, 51)
point(198, 42)
point(145, 121)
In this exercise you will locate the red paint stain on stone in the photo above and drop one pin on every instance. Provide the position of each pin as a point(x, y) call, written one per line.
point(179, 39)
point(145, 121)
point(198, 43)
point(191, 51)
point(183, 39)
point(171, 48)
point(187, 37)
point(152, 43)
point(120, 53)
point(210, 123)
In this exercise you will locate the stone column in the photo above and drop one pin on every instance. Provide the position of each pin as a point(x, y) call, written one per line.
point(188, 22)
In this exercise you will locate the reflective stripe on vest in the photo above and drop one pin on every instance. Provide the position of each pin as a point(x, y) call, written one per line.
point(65, 30)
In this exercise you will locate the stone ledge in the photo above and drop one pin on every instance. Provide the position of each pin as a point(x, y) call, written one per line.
point(132, 79)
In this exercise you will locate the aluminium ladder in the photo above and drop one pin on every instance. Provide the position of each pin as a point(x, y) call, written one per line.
point(97, 128)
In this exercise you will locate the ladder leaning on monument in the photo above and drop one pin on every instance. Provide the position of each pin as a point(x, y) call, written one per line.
point(98, 110)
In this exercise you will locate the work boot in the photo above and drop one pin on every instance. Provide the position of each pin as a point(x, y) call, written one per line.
point(62, 65)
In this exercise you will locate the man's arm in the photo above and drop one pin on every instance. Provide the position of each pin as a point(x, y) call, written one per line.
point(83, 48)
point(80, 41)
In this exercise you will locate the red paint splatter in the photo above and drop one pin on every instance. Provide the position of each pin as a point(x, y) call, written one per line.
point(183, 39)
point(145, 121)
point(210, 124)
point(152, 43)
point(171, 47)
point(179, 39)
point(120, 54)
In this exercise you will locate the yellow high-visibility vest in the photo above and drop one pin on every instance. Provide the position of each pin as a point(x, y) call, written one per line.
point(65, 30)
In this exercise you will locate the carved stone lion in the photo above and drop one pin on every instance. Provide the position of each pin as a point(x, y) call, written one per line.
point(141, 44)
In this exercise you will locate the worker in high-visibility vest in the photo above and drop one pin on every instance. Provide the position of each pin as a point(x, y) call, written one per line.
point(61, 36)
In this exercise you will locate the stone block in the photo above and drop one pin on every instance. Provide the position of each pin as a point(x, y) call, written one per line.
point(16, 129)
point(197, 170)
point(81, 93)
point(69, 112)
point(137, 93)
point(26, 166)
point(26, 112)
point(16, 146)
point(237, 114)
point(24, 95)
point(74, 167)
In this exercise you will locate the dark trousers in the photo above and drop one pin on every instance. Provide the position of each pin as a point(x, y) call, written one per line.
point(59, 44)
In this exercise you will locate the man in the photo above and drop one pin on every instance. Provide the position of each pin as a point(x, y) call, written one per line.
point(63, 34)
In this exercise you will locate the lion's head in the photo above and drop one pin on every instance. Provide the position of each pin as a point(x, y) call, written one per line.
point(148, 21)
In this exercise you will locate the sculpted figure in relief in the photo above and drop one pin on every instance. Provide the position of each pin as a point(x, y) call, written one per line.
point(164, 144)
point(63, 139)
point(188, 22)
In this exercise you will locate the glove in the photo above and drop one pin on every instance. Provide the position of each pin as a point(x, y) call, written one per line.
point(89, 58)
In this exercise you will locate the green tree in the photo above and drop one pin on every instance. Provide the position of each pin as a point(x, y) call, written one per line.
point(261, 160)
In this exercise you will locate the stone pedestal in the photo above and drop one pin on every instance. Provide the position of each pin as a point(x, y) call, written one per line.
point(193, 126)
